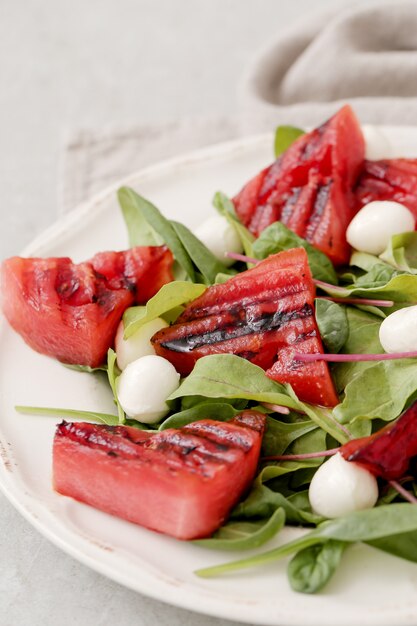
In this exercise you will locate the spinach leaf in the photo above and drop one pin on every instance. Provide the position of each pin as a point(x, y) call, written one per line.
point(366, 526)
point(204, 260)
point(381, 391)
point(401, 252)
point(278, 237)
point(106, 418)
point(113, 374)
point(333, 324)
point(145, 211)
point(285, 137)
point(245, 535)
point(401, 288)
point(220, 411)
point(85, 368)
point(169, 297)
point(310, 569)
point(279, 435)
point(403, 545)
point(140, 231)
point(225, 207)
point(230, 376)
point(363, 338)
point(263, 501)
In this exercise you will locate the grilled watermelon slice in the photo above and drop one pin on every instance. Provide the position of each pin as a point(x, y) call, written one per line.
point(71, 312)
point(181, 482)
point(309, 187)
point(394, 179)
point(264, 315)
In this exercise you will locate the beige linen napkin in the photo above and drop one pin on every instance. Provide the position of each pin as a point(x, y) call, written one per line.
point(366, 55)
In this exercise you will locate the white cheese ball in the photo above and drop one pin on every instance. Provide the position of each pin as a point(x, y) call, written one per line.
point(144, 386)
point(377, 144)
point(340, 487)
point(139, 344)
point(398, 331)
point(373, 226)
point(219, 236)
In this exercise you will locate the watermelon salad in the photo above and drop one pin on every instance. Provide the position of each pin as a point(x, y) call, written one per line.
point(263, 367)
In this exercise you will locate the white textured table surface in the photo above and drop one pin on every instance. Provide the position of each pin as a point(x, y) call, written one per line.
point(72, 64)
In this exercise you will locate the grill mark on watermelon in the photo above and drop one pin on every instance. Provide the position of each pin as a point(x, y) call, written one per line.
point(318, 210)
point(248, 326)
point(289, 205)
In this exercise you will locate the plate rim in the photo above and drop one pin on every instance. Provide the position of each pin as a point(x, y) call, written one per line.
point(209, 604)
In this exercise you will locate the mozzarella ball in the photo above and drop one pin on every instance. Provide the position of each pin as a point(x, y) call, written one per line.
point(219, 236)
point(373, 226)
point(340, 487)
point(139, 344)
point(377, 144)
point(144, 386)
point(398, 331)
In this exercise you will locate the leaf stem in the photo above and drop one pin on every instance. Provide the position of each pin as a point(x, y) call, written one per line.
point(352, 358)
point(241, 257)
point(403, 492)
point(321, 283)
point(301, 457)
point(366, 301)
point(278, 408)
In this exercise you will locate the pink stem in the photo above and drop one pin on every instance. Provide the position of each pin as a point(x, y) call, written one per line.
point(321, 283)
point(387, 303)
point(403, 492)
point(352, 358)
point(241, 257)
point(301, 457)
point(284, 410)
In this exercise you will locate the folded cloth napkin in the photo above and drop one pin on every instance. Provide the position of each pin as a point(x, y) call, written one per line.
point(366, 55)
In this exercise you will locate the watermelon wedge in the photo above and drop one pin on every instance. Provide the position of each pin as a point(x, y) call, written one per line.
point(71, 312)
point(309, 187)
point(394, 179)
point(264, 315)
point(388, 452)
point(181, 482)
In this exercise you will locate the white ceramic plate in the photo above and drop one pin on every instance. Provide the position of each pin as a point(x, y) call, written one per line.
point(369, 588)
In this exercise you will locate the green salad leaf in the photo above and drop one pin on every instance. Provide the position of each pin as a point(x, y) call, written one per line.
point(401, 252)
point(113, 374)
point(333, 324)
point(245, 535)
point(168, 298)
point(105, 418)
point(220, 411)
point(285, 137)
point(225, 207)
point(278, 237)
point(311, 568)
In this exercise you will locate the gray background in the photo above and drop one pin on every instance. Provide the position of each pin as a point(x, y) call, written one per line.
point(73, 64)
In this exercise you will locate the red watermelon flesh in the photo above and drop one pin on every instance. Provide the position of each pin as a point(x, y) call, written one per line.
point(394, 179)
point(182, 482)
point(324, 162)
point(256, 315)
point(71, 312)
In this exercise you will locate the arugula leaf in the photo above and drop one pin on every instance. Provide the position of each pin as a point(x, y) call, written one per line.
point(225, 207)
point(134, 205)
point(106, 418)
point(365, 526)
point(169, 297)
point(333, 324)
point(278, 237)
point(113, 374)
point(285, 137)
point(245, 535)
point(310, 569)
point(203, 259)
